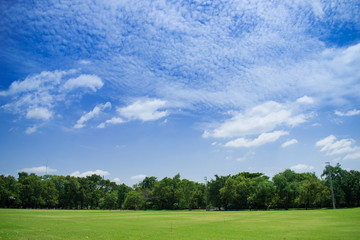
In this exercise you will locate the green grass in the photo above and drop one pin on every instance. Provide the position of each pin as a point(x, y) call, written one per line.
point(81, 224)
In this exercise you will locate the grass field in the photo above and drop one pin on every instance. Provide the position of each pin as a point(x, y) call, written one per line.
point(81, 224)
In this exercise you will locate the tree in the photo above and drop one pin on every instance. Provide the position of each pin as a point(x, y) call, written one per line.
point(31, 190)
point(312, 191)
point(214, 187)
point(189, 194)
point(134, 200)
point(287, 187)
point(49, 194)
point(345, 184)
point(9, 192)
point(148, 183)
point(164, 193)
point(122, 191)
point(262, 195)
point(235, 193)
point(109, 201)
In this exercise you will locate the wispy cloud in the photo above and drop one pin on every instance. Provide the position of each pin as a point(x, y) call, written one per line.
point(247, 156)
point(289, 143)
point(31, 130)
point(350, 113)
point(344, 147)
point(39, 113)
point(93, 113)
point(259, 119)
point(84, 81)
point(261, 140)
point(144, 110)
point(302, 168)
point(38, 95)
point(112, 121)
point(89, 173)
point(306, 100)
point(41, 169)
point(138, 177)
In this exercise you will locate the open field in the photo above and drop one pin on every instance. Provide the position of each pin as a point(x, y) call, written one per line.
point(84, 224)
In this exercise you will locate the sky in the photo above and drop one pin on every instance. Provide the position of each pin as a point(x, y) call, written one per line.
point(128, 89)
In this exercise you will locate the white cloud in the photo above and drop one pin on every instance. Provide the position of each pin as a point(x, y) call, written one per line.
point(41, 169)
point(350, 113)
point(89, 173)
point(261, 140)
point(138, 177)
point(84, 62)
point(302, 168)
point(355, 155)
point(117, 180)
point(43, 81)
point(37, 95)
point(145, 110)
point(247, 156)
point(331, 146)
point(288, 143)
point(112, 121)
point(305, 100)
point(84, 81)
point(31, 130)
point(262, 118)
point(39, 113)
point(93, 113)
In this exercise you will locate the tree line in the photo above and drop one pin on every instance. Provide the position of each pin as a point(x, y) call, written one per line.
point(244, 190)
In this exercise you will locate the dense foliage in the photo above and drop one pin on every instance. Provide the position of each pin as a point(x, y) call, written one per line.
point(241, 191)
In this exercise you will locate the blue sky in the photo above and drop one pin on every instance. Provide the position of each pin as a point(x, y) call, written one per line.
point(128, 89)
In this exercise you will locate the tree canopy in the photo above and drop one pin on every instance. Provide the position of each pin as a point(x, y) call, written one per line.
point(244, 190)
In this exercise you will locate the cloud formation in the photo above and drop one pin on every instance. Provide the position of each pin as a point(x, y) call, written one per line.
point(39, 113)
point(289, 142)
point(261, 140)
point(41, 169)
point(350, 113)
point(93, 113)
point(84, 81)
point(344, 147)
point(38, 95)
point(31, 130)
point(138, 177)
point(89, 173)
point(305, 100)
point(257, 120)
point(302, 168)
point(144, 110)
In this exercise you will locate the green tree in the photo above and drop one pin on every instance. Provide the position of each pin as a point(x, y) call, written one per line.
point(312, 191)
point(236, 192)
point(262, 195)
point(49, 194)
point(287, 188)
point(109, 201)
point(345, 185)
point(164, 193)
point(122, 191)
point(9, 192)
point(134, 200)
point(31, 191)
point(214, 186)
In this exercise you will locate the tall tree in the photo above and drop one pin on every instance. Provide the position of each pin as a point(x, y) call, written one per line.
point(134, 200)
point(287, 187)
point(214, 186)
point(312, 191)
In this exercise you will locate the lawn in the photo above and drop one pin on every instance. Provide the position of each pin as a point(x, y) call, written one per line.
point(84, 224)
